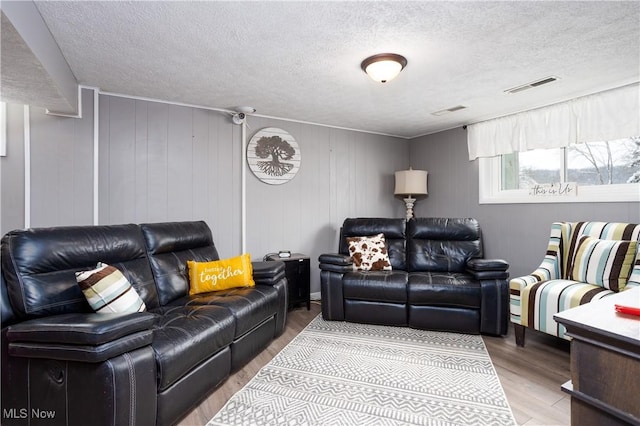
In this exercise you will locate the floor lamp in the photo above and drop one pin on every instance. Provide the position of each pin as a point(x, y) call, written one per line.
point(410, 183)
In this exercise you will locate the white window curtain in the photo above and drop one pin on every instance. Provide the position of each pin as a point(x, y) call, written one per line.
point(610, 115)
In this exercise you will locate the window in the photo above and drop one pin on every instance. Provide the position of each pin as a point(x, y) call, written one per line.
point(601, 171)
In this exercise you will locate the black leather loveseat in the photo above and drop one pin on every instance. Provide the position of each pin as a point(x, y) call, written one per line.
point(439, 280)
point(76, 367)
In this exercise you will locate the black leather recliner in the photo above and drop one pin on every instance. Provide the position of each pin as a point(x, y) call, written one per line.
point(114, 369)
point(439, 279)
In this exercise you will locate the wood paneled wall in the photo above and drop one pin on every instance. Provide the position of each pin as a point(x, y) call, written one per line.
point(12, 178)
point(342, 174)
point(161, 162)
point(61, 164)
point(164, 162)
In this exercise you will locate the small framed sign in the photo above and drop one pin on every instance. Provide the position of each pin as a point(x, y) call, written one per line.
point(273, 156)
point(558, 189)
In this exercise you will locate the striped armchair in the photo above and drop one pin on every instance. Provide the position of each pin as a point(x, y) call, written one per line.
point(584, 262)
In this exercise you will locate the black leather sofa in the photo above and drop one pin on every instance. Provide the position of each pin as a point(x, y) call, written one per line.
point(61, 360)
point(439, 279)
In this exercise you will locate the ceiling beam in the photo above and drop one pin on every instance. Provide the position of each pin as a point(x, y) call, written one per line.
point(27, 40)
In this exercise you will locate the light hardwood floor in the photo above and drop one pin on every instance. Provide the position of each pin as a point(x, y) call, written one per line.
point(531, 376)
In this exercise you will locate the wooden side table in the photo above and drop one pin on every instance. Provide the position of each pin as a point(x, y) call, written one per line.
point(605, 361)
point(298, 272)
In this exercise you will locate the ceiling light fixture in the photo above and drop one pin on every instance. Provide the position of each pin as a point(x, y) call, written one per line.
point(384, 66)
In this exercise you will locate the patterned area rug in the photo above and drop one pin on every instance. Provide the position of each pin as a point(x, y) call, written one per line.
point(338, 373)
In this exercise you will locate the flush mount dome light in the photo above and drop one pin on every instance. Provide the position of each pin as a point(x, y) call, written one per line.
point(384, 66)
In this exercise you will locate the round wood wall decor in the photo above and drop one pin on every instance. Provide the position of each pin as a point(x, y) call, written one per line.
point(273, 156)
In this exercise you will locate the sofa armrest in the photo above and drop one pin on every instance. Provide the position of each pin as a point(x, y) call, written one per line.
point(273, 273)
point(518, 284)
point(268, 273)
point(333, 267)
point(478, 264)
point(335, 262)
point(494, 306)
point(488, 269)
point(80, 337)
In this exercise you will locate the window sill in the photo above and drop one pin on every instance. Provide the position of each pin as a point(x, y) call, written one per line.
point(489, 181)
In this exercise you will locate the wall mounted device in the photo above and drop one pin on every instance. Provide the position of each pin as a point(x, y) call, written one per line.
point(241, 113)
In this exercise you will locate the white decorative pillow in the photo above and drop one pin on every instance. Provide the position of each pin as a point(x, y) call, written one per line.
point(108, 291)
point(369, 253)
point(605, 263)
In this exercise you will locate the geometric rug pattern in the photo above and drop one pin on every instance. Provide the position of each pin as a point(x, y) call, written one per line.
point(340, 373)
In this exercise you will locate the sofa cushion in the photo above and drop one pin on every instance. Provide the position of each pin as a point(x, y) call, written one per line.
point(185, 336)
point(542, 300)
point(108, 291)
point(368, 312)
point(443, 289)
point(169, 245)
point(378, 286)
point(249, 306)
point(221, 274)
point(369, 253)
point(604, 263)
point(442, 244)
point(444, 318)
point(393, 230)
point(39, 266)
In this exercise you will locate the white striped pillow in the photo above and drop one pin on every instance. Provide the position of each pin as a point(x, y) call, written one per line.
point(605, 263)
point(108, 291)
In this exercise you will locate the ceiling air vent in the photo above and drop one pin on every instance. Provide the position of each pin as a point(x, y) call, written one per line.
point(448, 110)
point(531, 85)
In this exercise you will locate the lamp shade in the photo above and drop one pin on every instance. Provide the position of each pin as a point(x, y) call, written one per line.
point(411, 182)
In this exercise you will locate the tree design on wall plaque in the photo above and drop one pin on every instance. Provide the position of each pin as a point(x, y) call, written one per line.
point(273, 156)
point(276, 148)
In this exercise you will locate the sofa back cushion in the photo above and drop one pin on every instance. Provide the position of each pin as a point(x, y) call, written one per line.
point(39, 266)
point(442, 244)
point(169, 246)
point(393, 230)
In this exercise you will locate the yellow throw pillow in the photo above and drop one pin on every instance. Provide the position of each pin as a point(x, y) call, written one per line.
point(220, 274)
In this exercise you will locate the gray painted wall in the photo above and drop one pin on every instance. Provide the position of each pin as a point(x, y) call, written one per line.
point(61, 164)
point(342, 174)
point(62, 167)
point(163, 162)
point(517, 233)
point(12, 172)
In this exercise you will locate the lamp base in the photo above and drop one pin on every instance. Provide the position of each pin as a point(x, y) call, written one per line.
point(409, 202)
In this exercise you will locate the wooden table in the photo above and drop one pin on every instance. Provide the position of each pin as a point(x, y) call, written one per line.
point(605, 361)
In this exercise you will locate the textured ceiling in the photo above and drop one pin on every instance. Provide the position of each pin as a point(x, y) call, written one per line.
point(23, 79)
point(301, 60)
